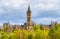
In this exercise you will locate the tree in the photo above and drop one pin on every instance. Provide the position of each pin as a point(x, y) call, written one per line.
point(24, 34)
point(12, 36)
point(57, 32)
point(31, 34)
point(42, 34)
point(52, 32)
point(4, 35)
point(36, 28)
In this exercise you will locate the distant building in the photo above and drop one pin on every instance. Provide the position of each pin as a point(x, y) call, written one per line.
point(28, 25)
point(53, 24)
point(10, 28)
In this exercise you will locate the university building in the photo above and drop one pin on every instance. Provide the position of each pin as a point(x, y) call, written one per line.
point(28, 25)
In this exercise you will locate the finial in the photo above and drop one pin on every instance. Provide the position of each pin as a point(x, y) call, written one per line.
point(28, 7)
point(28, 11)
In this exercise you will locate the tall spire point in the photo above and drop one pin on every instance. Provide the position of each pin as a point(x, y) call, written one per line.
point(28, 7)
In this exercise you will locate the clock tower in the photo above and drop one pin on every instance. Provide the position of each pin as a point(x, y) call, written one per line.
point(28, 18)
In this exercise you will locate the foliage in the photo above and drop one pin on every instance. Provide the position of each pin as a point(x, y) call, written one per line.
point(4, 35)
point(34, 33)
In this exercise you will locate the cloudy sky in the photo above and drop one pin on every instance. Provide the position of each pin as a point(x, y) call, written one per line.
point(43, 11)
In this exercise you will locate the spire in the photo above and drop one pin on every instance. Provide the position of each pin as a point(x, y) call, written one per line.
point(29, 7)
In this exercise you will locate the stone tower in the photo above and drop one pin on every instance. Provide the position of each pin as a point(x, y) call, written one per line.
point(53, 23)
point(28, 17)
point(6, 26)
